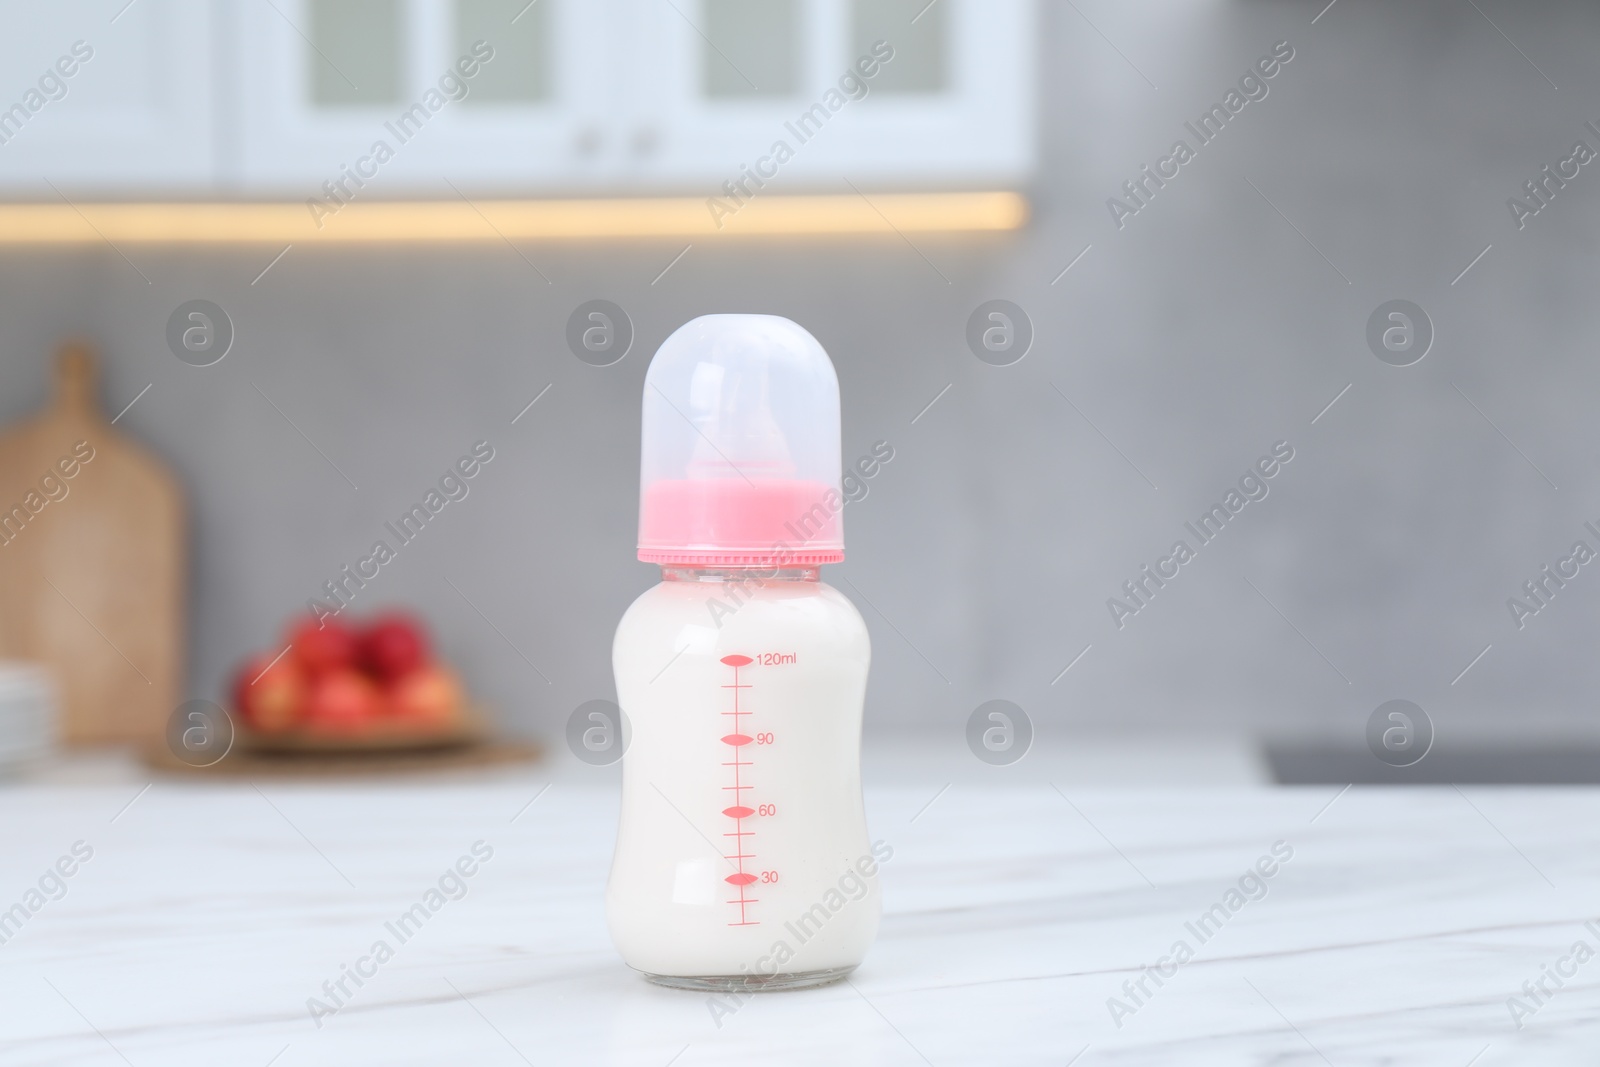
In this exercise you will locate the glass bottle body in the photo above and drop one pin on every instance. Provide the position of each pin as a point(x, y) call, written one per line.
point(742, 858)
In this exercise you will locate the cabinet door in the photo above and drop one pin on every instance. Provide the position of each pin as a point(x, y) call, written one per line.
point(814, 93)
point(106, 98)
point(388, 98)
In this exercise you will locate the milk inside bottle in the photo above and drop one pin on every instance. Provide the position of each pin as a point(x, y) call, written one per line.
point(742, 858)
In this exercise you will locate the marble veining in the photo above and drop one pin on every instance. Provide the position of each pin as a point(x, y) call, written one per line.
point(1023, 924)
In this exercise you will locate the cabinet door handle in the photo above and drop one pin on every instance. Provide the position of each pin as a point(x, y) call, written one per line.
point(646, 139)
point(588, 141)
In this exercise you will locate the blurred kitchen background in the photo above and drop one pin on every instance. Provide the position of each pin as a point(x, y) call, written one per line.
point(1168, 353)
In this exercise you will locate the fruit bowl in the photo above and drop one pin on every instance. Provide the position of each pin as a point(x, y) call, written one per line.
point(338, 688)
point(382, 735)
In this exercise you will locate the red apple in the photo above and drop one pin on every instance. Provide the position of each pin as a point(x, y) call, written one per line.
point(323, 646)
point(394, 644)
point(270, 696)
point(429, 696)
point(342, 702)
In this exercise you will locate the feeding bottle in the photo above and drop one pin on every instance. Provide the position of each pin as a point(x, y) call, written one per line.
point(742, 858)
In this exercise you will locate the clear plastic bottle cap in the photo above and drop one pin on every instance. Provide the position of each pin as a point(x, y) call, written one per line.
point(740, 447)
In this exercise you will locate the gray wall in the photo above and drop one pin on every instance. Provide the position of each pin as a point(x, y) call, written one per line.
point(1194, 338)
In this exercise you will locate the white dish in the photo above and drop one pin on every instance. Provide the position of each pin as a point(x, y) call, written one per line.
point(27, 713)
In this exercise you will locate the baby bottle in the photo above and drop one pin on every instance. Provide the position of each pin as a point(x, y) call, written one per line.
point(742, 859)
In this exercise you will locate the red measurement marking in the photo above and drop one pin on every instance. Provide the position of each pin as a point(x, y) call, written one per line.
point(739, 812)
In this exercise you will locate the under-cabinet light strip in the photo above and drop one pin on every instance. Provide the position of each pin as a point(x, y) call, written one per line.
point(85, 222)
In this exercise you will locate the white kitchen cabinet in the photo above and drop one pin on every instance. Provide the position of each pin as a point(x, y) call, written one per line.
point(636, 95)
point(322, 84)
point(783, 94)
point(105, 99)
point(337, 100)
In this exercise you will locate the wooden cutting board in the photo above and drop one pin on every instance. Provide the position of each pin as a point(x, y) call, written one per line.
point(91, 563)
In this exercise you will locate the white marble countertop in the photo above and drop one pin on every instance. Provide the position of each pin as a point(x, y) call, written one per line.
point(1013, 911)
